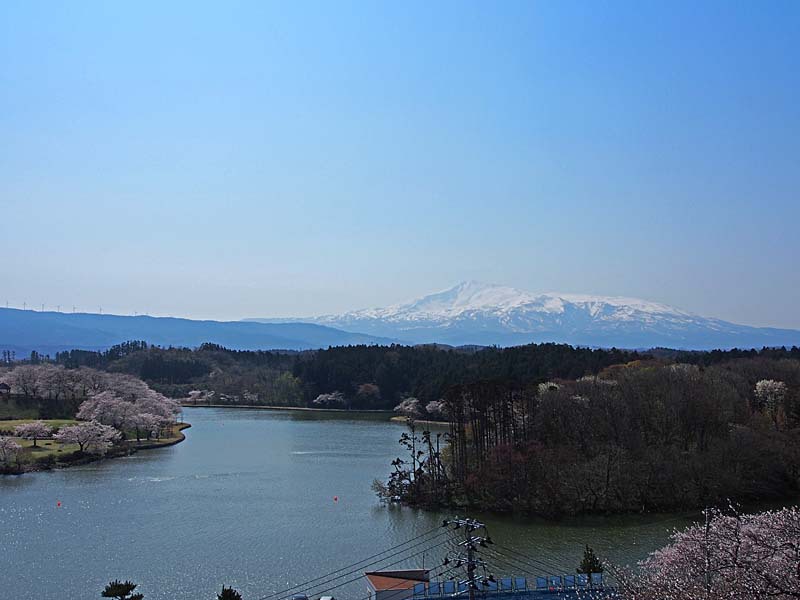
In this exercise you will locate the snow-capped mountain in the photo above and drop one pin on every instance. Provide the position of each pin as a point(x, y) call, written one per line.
point(483, 314)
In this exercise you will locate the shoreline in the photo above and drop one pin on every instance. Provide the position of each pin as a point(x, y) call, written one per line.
point(130, 447)
point(404, 419)
point(297, 408)
point(171, 442)
point(395, 418)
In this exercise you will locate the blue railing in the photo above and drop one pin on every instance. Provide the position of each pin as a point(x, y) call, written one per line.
point(515, 588)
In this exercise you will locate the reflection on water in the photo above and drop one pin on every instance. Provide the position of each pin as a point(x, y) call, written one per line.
point(248, 500)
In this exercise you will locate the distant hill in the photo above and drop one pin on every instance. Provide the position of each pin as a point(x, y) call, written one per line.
point(483, 314)
point(51, 332)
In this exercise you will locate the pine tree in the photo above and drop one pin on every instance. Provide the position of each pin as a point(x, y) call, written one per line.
point(590, 563)
point(229, 594)
point(121, 591)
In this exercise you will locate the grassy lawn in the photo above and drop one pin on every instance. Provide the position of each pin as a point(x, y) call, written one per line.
point(51, 451)
point(44, 448)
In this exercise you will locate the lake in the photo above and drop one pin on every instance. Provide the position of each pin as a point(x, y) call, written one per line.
point(248, 500)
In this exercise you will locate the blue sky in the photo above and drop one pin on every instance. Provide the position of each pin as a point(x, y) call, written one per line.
point(233, 159)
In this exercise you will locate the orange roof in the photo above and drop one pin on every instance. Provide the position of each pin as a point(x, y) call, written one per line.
point(396, 580)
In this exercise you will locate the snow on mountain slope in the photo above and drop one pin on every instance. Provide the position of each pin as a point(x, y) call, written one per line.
point(478, 313)
point(472, 296)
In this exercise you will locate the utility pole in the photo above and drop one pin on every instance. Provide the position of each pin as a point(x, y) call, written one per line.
point(708, 554)
point(467, 557)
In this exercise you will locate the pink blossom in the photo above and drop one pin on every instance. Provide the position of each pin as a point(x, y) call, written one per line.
point(735, 557)
point(9, 449)
point(91, 436)
point(36, 430)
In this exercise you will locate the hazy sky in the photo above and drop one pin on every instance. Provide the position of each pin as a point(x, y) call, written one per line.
point(234, 159)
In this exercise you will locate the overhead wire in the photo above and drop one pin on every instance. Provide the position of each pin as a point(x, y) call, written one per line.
point(320, 585)
point(515, 565)
point(530, 560)
point(438, 575)
point(317, 591)
point(359, 564)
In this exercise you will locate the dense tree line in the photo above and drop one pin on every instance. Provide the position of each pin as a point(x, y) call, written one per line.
point(377, 377)
point(646, 436)
point(366, 377)
point(712, 357)
point(426, 372)
point(222, 375)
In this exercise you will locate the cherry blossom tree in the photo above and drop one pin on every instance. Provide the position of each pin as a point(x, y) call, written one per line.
point(769, 396)
point(147, 424)
point(107, 408)
point(9, 450)
point(123, 403)
point(54, 381)
point(732, 556)
point(125, 386)
point(408, 407)
point(436, 408)
point(24, 380)
point(91, 436)
point(368, 393)
point(35, 431)
point(157, 404)
point(332, 400)
point(769, 391)
point(91, 381)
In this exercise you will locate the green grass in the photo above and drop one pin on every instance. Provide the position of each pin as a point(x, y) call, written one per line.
point(49, 450)
point(44, 448)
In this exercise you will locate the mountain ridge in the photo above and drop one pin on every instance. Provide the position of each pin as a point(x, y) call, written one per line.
point(485, 314)
point(48, 332)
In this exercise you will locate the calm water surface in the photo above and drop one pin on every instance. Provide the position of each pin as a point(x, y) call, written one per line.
point(247, 500)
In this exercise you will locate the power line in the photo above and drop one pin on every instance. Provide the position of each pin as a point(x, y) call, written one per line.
point(541, 565)
point(516, 560)
point(470, 544)
point(316, 592)
point(517, 565)
point(356, 564)
point(436, 576)
point(526, 558)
